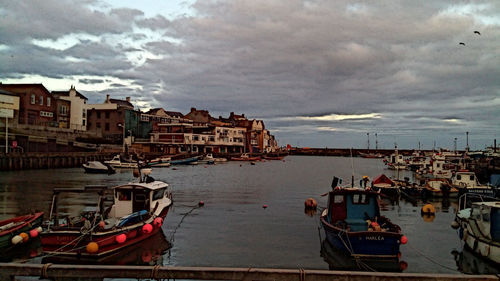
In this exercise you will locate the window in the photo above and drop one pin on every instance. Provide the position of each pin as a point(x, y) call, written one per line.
point(63, 110)
point(48, 101)
point(338, 199)
point(33, 99)
point(84, 114)
point(106, 126)
point(158, 194)
point(41, 100)
point(459, 177)
point(98, 114)
point(123, 195)
point(83, 122)
point(98, 125)
point(107, 114)
point(471, 177)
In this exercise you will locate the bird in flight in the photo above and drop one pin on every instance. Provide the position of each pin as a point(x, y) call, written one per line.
point(477, 32)
point(462, 43)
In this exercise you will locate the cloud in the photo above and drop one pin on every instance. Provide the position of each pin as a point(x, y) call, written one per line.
point(389, 66)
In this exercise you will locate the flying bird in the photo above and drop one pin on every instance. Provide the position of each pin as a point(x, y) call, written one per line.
point(477, 32)
point(462, 43)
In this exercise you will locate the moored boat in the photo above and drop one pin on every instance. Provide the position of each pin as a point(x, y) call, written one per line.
point(245, 157)
point(354, 225)
point(185, 161)
point(19, 230)
point(386, 186)
point(159, 162)
point(118, 162)
point(480, 227)
point(122, 216)
point(466, 182)
point(96, 167)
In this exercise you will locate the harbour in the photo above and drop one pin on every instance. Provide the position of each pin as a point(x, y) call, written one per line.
point(233, 229)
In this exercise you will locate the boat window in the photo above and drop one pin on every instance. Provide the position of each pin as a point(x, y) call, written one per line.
point(459, 177)
point(360, 199)
point(158, 194)
point(140, 197)
point(123, 195)
point(338, 199)
point(471, 177)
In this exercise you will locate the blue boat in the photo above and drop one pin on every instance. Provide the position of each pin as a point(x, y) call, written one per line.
point(185, 161)
point(353, 224)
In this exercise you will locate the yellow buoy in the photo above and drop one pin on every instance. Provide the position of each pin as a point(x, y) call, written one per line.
point(92, 247)
point(428, 209)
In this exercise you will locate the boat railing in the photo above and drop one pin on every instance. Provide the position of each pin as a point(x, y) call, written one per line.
point(465, 201)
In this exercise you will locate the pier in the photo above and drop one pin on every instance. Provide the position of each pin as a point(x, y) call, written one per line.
point(54, 271)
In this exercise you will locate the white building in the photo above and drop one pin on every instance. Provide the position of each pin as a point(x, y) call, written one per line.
point(78, 110)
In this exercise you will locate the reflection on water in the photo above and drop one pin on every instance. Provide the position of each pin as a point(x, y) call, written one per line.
point(338, 260)
point(470, 263)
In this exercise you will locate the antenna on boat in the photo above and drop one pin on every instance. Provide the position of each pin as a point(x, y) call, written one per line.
point(352, 167)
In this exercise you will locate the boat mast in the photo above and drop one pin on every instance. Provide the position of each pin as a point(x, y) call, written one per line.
point(376, 142)
point(352, 167)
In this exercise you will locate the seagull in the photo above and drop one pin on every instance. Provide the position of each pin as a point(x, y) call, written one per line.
point(477, 32)
point(461, 43)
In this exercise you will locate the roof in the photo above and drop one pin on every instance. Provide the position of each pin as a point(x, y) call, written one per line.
point(66, 94)
point(175, 114)
point(3, 92)
point(382, 179)
point(12, 87)
point(151, 186)
point(123, 103)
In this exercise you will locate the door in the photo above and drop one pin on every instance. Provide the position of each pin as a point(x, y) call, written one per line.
point(141, 200)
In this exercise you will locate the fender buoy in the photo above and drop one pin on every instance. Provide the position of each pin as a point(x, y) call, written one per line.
point(147, 228)
point(428, 209)
point(310, 204)
point(92, 247)
point(121, 238)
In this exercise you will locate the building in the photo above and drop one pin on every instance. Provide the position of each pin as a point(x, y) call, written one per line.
point(107, 120)
point(199, 117)
point(77, 110)
point(37, 106)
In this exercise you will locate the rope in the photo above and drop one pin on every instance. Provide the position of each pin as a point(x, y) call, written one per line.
point(302, 274)
point(246, 274)
point(43, 273)
point(172, 235)
point(154, 272)
point(431, 260)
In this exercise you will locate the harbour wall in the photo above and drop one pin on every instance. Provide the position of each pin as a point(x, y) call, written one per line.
point(40, 160)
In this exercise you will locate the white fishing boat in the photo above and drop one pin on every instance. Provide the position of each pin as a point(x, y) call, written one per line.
point(480, 228)
point(96, 167)
point(466, 182)
point(118, 162)
point(159, 162)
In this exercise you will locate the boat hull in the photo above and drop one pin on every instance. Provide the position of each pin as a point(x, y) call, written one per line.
point(184, 161)
point(73, 243)
point(29, 222)
point(368, 244)
point(485, 248)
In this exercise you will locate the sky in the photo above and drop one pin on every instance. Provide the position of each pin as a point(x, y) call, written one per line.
point(318, 73)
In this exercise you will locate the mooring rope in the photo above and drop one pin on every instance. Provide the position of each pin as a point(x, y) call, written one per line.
point(172, 235)
point(431, 260)
point(44, 273)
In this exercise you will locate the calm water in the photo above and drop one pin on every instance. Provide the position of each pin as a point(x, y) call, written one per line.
point(234, 230)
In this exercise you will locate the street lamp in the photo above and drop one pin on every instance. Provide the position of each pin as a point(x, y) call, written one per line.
point(123, 137)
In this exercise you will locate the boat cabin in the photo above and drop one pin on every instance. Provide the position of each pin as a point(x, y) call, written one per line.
point(487, 216)
point(465, 179)
point(352, 208)
point(136, 197)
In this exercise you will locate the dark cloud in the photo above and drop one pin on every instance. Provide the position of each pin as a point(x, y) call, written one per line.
point(90, 81)
point(275, 59)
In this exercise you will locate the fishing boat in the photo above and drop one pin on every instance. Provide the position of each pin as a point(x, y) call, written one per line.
point(119, 162)
point(466, 182)
point(354, 225)
point(439, 187)
point(96, 167)
point(185, 161)
point(386, 186)
point(159, 162)
point(480, 227)
point(245, 157)
point(19, 230)
point(207, 159)
point(122, 216)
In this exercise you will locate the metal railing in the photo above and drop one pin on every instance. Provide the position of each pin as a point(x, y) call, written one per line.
point(51, 271)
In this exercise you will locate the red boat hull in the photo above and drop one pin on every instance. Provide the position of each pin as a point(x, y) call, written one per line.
point(73, 243)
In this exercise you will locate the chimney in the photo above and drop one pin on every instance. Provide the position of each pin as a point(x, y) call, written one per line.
point(231, 115)
point(127, 99)
point(107, 99)
point(243, 115)
point(193, 109)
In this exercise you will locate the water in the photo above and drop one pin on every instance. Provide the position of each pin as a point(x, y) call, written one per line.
point(233, 229)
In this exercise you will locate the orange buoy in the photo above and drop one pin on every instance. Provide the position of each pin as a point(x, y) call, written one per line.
point(403, 265)
point(404, 240)
point(25, 236)
point(121, 238)
point(428, 209)
point(102, 224)
point(310, 203)
point(147, 228)
point(201, 203)
point(92, 247)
